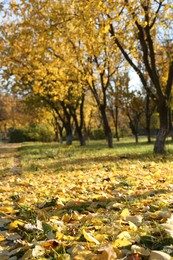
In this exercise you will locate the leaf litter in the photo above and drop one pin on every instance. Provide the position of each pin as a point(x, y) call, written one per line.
point(85, 206)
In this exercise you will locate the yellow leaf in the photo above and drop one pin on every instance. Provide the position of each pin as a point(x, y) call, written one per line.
point(90, 238)
point(2, 238)
point(124, 235)
point(4, 189)
point(59, 235)
point(101, 237)
point(15, 224)
point(69, 238)
point(7, 209)
point(106, 29)
point(121, 242)
point(132, 226)
point(22, 199)
point(125, 213)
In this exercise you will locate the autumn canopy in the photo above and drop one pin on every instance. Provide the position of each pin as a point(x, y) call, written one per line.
point(63, 50)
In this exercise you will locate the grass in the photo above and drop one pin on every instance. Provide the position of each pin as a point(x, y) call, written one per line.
point(87, 188)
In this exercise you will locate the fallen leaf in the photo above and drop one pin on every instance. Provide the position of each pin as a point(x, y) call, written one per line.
point(132, 226)
point(158, 255)
point(121, 242)
point(5, 189)
point(7, 210)
point(90, 238)
point(75, 249)
point(101, 237)
point(2, 238)
point(13, 236)
point(168, 228)
point(38, 251)
point(107, 253)
point(49, 244)
point(125, 213)
point(124, 235)
point(15, 224)
point(140, 250)
point(137, 220)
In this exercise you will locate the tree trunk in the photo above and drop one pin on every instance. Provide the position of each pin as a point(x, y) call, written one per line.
point(79, 129)
point(114, 116)
point(81, 139)
point(163, 110)
point(136, 138)
point(116, 123)
point(107, 129)
point(148, 118)
point(69, 135)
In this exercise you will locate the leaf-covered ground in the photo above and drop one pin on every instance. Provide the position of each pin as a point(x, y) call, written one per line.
point(59, 202)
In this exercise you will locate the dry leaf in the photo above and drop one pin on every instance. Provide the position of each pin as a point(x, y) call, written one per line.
point(107, 253)
point(90, 238)
point(49, 244)
point(140, 250)
point(134, 219)
point(125, 213)
point(121, 242)
point(15, 224)
point(124, 235)
point(2, 238)
point(7, 210)
point(38, 251)
point(132, 226)
point(5, 189)
point(158, 255)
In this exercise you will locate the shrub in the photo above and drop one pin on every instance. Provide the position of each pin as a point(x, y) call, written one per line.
point(18, 135)
point(98, 134)
point(40, 133)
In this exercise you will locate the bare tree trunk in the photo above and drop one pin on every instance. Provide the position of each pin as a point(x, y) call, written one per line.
point(163, 110)
point(136, 138)
point(69, 135)
point(116, 123)
point(107, 129)
point(148, 118)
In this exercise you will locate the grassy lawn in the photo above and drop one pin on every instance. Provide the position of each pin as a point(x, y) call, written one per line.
point(92, 202)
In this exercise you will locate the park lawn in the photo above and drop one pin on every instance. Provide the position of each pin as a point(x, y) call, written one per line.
point(71, 202)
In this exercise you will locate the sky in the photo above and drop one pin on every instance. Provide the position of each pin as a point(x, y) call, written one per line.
point(135, 82)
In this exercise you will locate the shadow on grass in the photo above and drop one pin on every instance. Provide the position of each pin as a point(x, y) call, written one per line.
point(68, 158)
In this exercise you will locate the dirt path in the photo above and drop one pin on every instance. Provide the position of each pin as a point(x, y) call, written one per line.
point(10, 158)
point(10, 168)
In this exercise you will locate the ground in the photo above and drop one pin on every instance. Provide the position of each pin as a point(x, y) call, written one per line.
point(61, 202)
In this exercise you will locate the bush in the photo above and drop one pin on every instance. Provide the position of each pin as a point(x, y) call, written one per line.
point(40, 133)
point(98, 134)
point(18, 136)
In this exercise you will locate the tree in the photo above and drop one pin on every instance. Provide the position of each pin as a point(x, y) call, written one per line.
point(56, 44)
point(133, 106)
point(147, 22)
point(98, 61)
point(116, 91)
point(47, 68)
